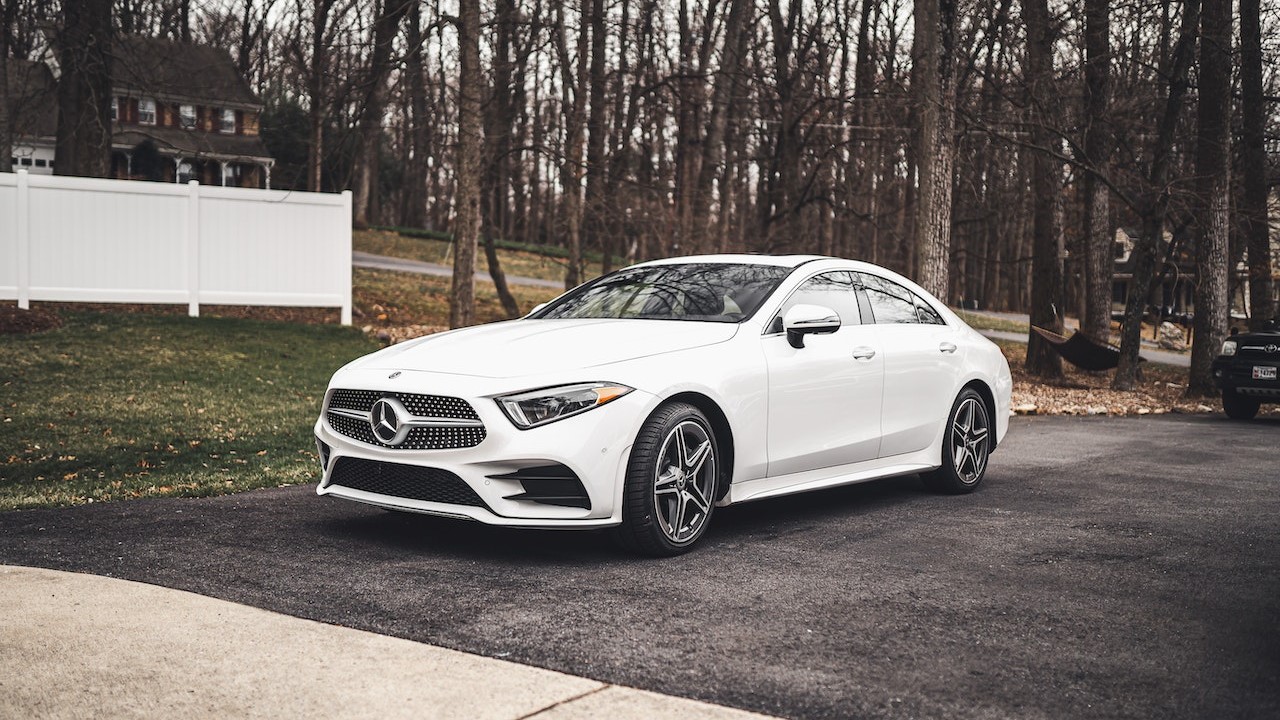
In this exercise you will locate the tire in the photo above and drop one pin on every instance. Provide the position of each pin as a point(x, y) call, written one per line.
point(671, 483)
point(1239, 407)
point(966, 446)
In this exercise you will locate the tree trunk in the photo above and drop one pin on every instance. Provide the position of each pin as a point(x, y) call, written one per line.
point(385, 28)
point(713, 147)
point(315, 91)
point(1046, 267)
point(1253, 159)
point(593, 212)
point(8, 10)
point(1213, 189)
point(573, 95)
point(415, 186)
point(1098, 235)
point(935, 97)
point(84, 90)
point(1155, 202)
point(466, 229)
point(499, 121)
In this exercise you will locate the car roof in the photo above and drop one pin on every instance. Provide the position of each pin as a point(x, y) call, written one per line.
point(790, 261)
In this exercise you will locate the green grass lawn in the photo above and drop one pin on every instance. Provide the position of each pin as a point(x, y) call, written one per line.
point(117, 405)
point(987, 322)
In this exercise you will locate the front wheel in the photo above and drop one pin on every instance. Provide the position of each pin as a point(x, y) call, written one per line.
point(1239, 407)
point(966, 445)
point(671, 481)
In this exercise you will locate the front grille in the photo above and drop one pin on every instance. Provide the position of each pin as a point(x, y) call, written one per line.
point(1242, 371)
point(403, 481)
point(419, 438)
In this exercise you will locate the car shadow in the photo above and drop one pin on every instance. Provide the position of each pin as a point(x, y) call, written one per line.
point(428, 535)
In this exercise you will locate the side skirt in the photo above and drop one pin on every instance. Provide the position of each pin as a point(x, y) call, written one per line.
point(759, 489)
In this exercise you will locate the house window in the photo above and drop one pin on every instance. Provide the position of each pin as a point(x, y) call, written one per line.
point(39, 162)
point(228, 121)
point(115, 109)
point(147, 111)
point(187, 113)
point(26, 162)
point(185, 172)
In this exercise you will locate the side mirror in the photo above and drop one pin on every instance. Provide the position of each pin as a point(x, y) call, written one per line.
point(802, 320)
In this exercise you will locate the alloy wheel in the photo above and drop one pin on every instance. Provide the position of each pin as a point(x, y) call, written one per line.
point(684, 486)
point(969, 430)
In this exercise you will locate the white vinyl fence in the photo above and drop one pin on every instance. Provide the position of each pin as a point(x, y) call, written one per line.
point(75, 239)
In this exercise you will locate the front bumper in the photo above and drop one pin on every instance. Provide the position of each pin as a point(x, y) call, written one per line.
point(1235, 374)
point(595, 446)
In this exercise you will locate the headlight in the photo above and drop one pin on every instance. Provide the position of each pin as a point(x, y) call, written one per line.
point(1229, 347)
point(539, 407)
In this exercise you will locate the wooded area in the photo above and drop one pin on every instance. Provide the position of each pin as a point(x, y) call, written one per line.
point(988, 150)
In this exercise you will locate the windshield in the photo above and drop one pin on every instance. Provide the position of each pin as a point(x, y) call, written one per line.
point(712, 292)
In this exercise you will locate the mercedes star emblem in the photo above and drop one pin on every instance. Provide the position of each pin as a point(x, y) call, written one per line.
point(385, 421)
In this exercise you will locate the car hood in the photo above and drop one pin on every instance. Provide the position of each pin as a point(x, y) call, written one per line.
point(535, 347)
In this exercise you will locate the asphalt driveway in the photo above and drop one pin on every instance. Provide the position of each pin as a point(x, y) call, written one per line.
point(1110, 567)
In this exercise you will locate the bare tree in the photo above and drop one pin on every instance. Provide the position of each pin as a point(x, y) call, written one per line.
point(1253, 159)
point(365, 196)
point(935, 96)
point(573, 98)
point(322, 32)
point(499, 119)
point(1155, 200)
point(8, 13)
point(1046, 268)
point(84, 89)
point(466, 230)
point(1098, 235)
point(1213, 171)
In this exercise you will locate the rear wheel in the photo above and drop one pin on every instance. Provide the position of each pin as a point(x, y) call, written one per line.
point(966, 445)
point(1239, 407)
point(671, 482)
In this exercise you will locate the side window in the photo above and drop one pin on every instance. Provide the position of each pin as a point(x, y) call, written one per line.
point(833, 290)
point(926, 313)
point(890, 302)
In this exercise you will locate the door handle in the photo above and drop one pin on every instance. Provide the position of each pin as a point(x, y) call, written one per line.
point(863, 353)
point(947, 347)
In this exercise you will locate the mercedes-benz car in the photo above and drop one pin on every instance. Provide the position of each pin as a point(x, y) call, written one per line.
point(1248, 371)
point(645, 399)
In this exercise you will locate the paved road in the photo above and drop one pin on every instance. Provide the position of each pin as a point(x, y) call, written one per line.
point(1110, 567)
point(383, 262)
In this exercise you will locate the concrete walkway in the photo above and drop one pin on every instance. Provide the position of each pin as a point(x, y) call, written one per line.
point(383, 262)
point(75, 646)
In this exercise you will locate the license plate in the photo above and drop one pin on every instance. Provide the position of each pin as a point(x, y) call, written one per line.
point(1264, 372)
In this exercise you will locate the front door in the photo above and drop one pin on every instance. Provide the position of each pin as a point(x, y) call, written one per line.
point(824, 398)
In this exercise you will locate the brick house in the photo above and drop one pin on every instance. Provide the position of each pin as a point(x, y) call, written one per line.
point(179, 112)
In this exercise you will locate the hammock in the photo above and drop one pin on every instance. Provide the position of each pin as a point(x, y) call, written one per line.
point(1081, 351)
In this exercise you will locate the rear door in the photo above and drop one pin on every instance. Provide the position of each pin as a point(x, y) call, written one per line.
point(921, 365)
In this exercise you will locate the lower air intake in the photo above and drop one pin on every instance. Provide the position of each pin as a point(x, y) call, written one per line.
point(403, 481)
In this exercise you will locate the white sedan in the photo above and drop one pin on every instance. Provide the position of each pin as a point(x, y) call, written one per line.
point(645, 399)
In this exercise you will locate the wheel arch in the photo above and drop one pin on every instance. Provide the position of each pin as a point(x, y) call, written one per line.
point(988, 400)
point(720, 426)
